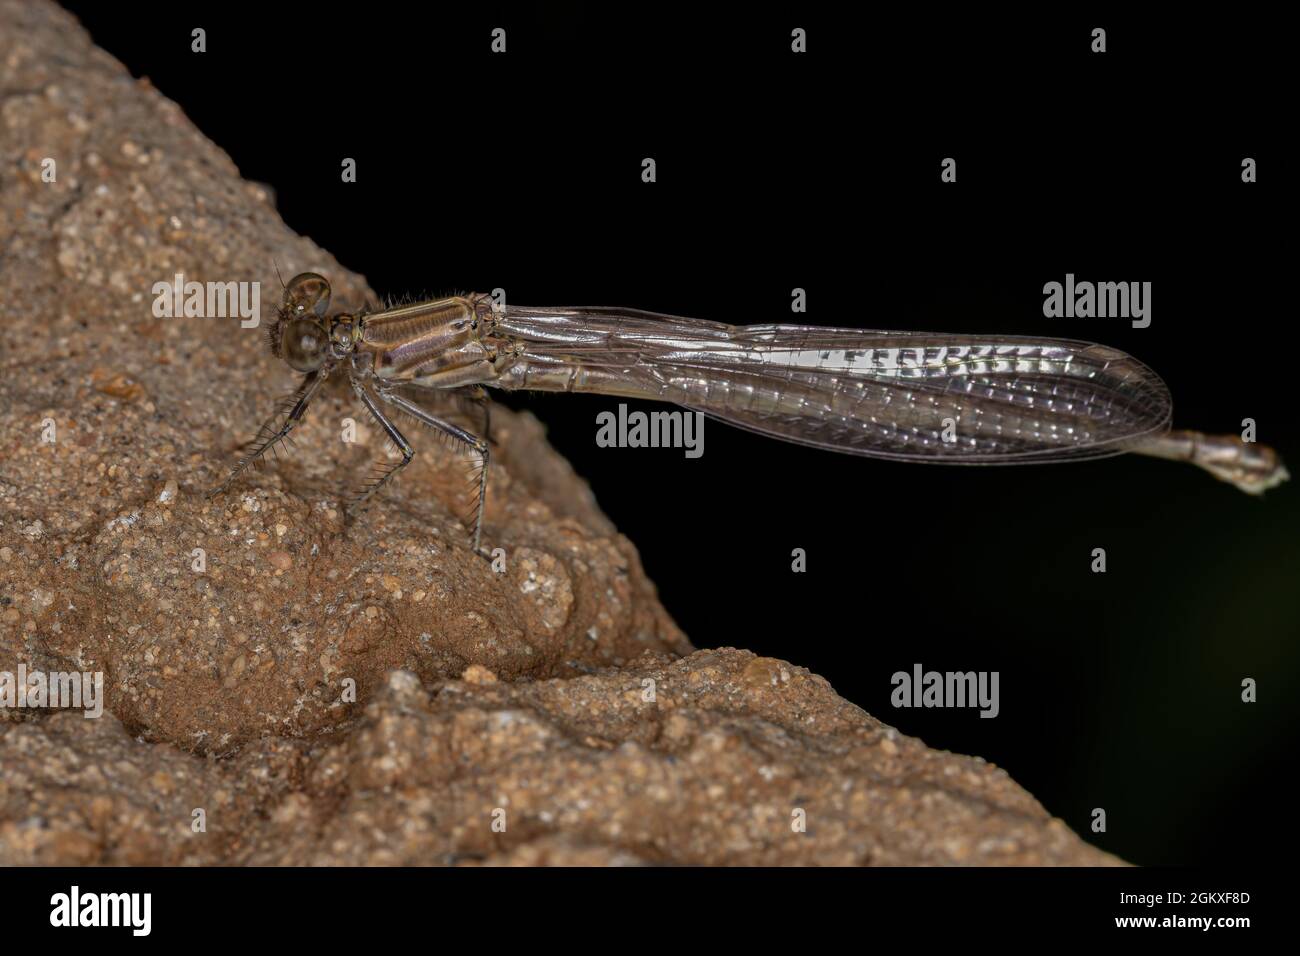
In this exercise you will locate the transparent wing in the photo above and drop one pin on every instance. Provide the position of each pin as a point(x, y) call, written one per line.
point(906, 395)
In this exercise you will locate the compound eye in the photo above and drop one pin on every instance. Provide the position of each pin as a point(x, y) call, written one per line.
point(303, 345)
point(307, 293)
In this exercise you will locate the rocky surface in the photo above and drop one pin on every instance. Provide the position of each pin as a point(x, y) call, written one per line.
point(719, 757)
point(284, 684)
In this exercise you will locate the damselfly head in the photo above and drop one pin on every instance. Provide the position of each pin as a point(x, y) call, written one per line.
point(306, 294)
point(304, 344)
point(299, 334)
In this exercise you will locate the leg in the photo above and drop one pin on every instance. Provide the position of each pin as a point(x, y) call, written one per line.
point(394, 435)
point(268, 436)
point(459, 434)
point(479, 396)
point(463, 398)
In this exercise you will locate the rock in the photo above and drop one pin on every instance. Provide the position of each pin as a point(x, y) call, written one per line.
point(286, 684)
point(582, 771)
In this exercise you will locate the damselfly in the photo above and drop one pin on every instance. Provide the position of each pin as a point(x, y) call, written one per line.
point(955, 399)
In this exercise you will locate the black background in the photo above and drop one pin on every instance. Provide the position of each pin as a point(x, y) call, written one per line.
point(821, 171)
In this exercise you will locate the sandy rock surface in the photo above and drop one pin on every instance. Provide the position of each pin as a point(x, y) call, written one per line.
point(286, 683)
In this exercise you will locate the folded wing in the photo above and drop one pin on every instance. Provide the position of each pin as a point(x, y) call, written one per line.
point(904, 395)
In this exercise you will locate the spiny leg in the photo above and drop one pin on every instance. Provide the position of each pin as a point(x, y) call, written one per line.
point(393, 434)
point(467, 400)
point(268, 437)
point(477, 395)
point(460, 434)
